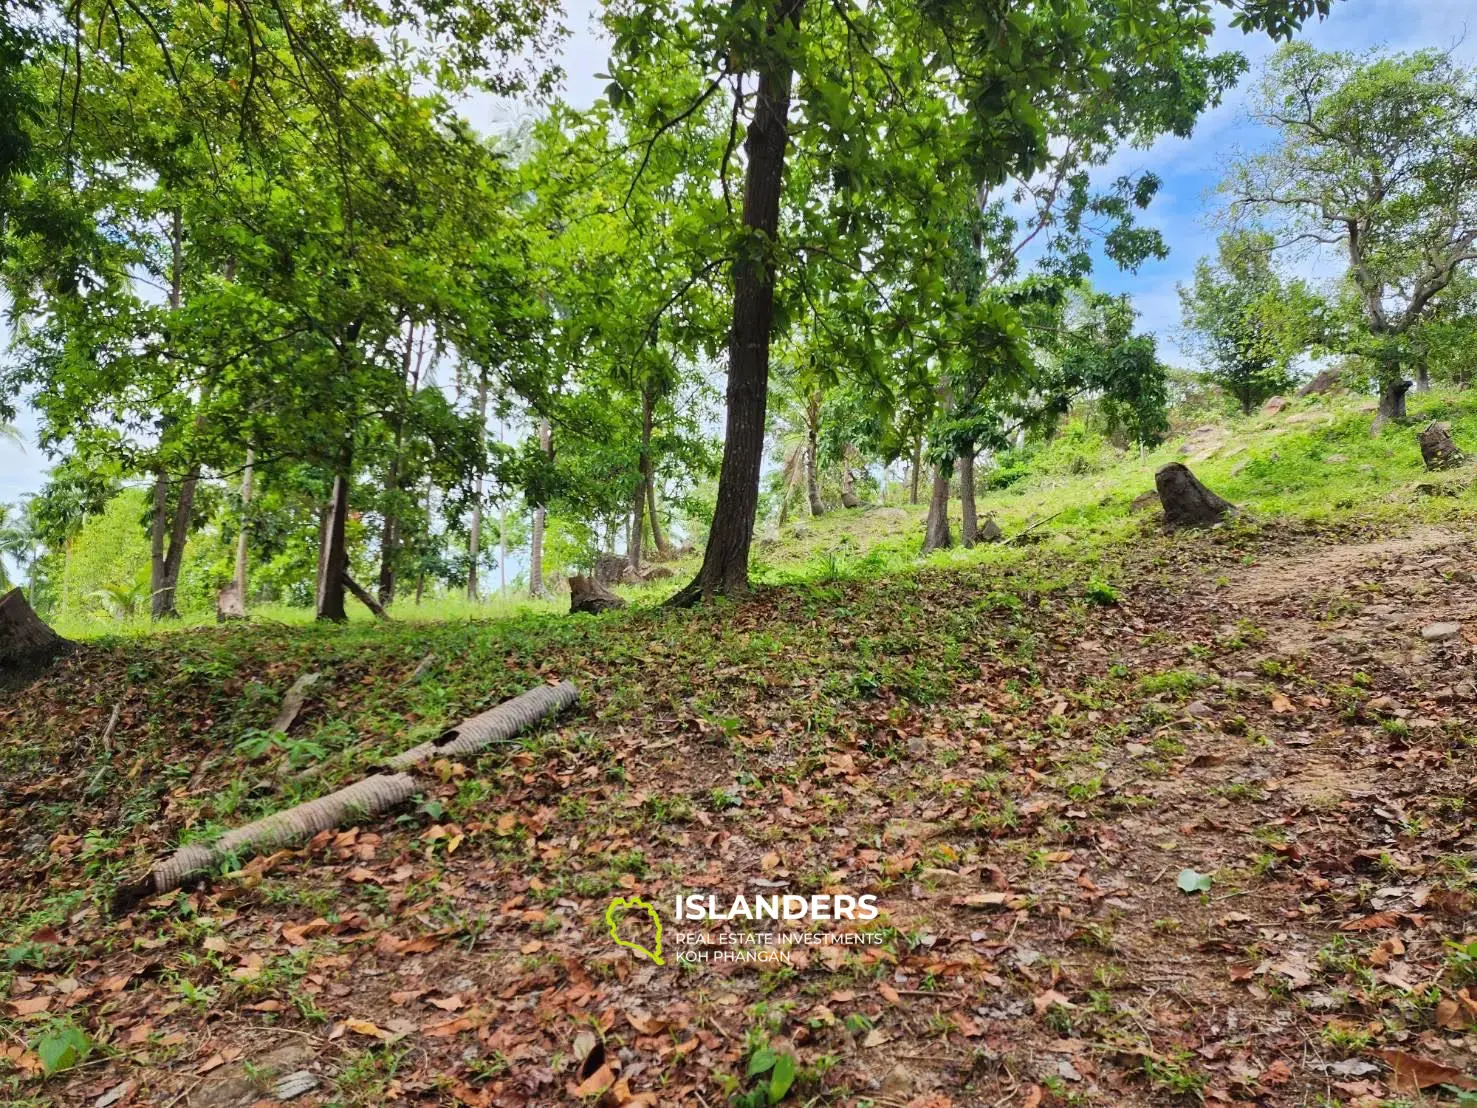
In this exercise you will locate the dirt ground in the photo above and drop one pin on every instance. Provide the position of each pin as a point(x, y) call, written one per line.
point(1204, 837)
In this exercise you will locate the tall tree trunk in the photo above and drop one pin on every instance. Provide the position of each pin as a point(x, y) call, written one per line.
point(165, 562)
point(936, 534)
point(164, 598)
point(474, 540)
point(1422, 378)
point(643, 483)
point(658, 540)
point(969, 528)
point(536, 551)
point(725, 569)
point(389, 529)
point(158, 530)
point(390, 526)
point(812, 449)
point(1392, 398)
point(241, 538)
point(917, 468)
point(333, 556)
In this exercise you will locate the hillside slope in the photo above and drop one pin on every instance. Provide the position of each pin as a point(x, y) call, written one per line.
point(1149, 817)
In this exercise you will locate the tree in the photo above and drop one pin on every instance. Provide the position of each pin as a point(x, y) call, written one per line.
point(1249, 323)
point(1375, 156)
point(901, 104)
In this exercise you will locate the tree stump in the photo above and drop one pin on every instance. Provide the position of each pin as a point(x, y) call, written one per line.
point(229, 604)
point(588, 595)
point(1188, 503)
point(990, 531)
point(26, 643)
point(1437, 448)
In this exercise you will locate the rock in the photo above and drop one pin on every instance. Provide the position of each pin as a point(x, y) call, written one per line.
point(1274, 405)
point(1326, 380)
point(850, 500)
point(1437, 449)
point(1239, 466)
point(588, 595)
point(1199, 709)
point(1440, 632)
point(1336, 459)
point(1188, 503)
point(657, 573)
point(990, 531)
point(631, 576)
point(609, 568)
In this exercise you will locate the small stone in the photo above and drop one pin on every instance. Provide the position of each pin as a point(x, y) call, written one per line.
point(1274, 405)
point(1336, 459)
point(1440, 632)
point(1199, 709)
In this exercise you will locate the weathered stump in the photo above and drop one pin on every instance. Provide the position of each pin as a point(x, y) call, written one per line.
point(588, 595)
point(1437, 449)
point(26, 643)
point(990, 531)
point(1188, 503)
point(229, 604)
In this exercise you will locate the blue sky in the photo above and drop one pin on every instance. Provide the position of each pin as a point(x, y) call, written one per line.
point(1189, 168)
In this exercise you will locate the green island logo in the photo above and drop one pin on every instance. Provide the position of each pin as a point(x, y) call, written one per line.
point(616, 912)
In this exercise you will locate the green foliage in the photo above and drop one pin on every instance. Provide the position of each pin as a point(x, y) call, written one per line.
point(1377, 156)
point(1249, 324)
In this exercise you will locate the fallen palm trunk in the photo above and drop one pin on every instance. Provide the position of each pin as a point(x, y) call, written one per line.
point(369, 797)
point(494, 726)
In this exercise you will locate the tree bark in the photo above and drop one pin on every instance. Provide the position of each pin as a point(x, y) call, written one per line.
point(917, 468)
point(474, 541)
point(230, 602)
point(1392, 398)
point(363, 596)
point(643, 484)
point(812, 450)
point(241, 538)
point(725, 569)
point(658, 539)
point(1438, 450)
point(163, 601)
point(536, 551)
point(26, 643)
point(333, 570)
point(969, 527)
point(936, 532)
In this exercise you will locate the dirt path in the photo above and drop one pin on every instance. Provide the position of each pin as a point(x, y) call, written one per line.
point(1027, 782)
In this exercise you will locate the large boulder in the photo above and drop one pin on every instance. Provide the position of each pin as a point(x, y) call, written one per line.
point(589, 595)
point(610, 568)
point(1326, 380)
point(1188, 503)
